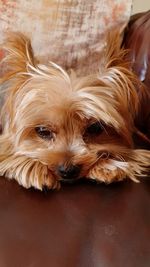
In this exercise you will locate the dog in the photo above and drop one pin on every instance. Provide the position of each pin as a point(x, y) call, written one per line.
point(58, 127)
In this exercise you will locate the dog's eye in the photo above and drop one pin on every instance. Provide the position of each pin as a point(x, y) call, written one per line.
point(95, 128)
point(44, 132)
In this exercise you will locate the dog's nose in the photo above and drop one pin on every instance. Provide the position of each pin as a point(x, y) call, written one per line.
point(69, 172)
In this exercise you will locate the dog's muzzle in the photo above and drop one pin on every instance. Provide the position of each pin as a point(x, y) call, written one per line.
point(70, 172)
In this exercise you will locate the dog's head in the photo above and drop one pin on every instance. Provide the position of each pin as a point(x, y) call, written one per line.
point(67, 123)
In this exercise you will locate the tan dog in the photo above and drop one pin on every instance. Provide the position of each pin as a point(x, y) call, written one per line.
point(58, 127)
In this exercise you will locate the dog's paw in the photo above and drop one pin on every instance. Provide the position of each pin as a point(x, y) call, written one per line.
point(102, 174)
point(29, 173)
point(41, 177)
point(51, 182)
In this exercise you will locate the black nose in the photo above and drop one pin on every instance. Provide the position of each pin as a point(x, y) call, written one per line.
point(69, 172)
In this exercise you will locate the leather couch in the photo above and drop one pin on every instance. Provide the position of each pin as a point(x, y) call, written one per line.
point(85, 224)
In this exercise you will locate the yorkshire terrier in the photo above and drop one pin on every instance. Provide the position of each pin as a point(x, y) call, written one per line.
point(58, 127)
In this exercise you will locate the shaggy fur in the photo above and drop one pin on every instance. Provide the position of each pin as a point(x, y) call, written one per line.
point(87, 122)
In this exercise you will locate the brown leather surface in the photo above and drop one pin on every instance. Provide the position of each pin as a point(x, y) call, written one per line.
point(82, 225)
point(137, 40)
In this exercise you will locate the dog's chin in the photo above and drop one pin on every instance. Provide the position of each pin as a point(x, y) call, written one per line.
point(70, 181)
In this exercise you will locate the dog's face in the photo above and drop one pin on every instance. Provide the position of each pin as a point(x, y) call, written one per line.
point(69, 124)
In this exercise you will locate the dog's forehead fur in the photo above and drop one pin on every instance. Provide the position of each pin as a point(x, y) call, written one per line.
point(53, 91)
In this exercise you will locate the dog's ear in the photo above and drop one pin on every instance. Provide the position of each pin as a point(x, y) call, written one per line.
point(18, 56)
point(114, 52)
point(16, 67)
point(116, 72)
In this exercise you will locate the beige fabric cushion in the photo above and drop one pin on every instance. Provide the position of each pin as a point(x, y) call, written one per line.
point(68, 32)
